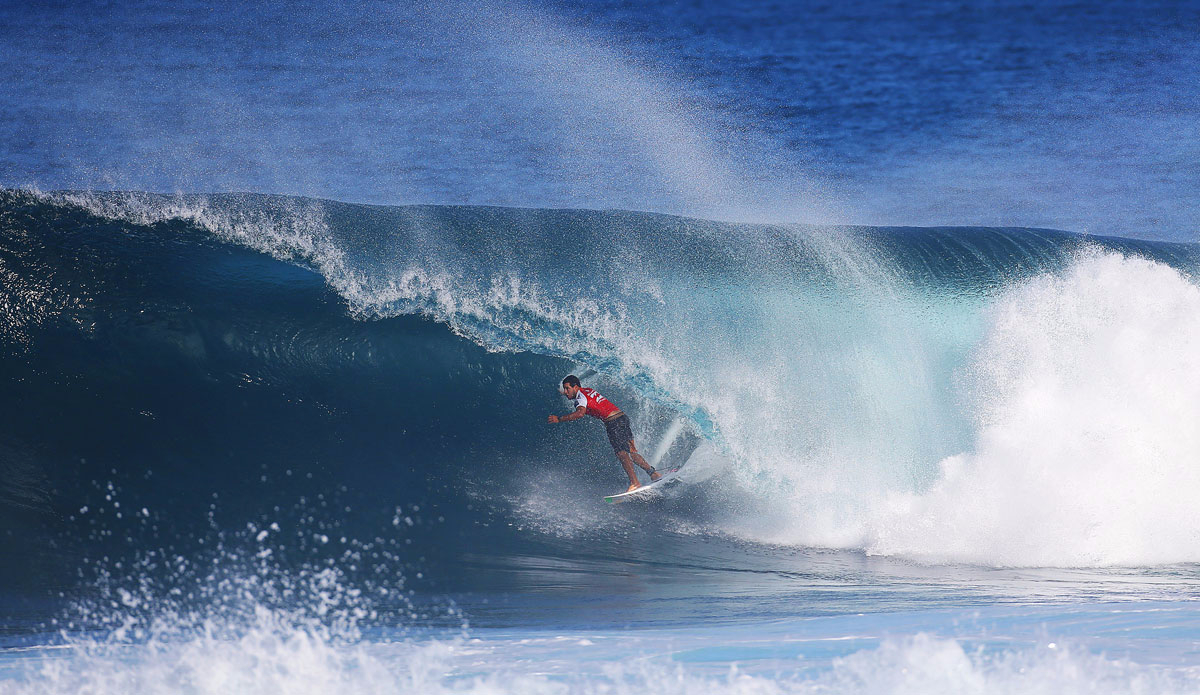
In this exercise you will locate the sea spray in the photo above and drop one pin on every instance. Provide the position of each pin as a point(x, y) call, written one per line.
point(1085, 398)
point(270, 659)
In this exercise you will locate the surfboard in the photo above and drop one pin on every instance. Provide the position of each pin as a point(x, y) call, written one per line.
point(669, 474)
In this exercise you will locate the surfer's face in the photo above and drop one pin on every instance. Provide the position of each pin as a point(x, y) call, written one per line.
point(570, 391)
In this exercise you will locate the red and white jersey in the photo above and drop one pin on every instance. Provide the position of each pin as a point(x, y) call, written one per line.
point(597, 405)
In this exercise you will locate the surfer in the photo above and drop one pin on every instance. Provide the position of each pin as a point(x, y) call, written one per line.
point(620, 435)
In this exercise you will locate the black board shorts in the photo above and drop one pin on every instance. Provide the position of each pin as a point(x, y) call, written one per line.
point(619, 433)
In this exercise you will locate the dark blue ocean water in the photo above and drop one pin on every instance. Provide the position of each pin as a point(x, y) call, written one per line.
point(1072, 115)
point(909, 292)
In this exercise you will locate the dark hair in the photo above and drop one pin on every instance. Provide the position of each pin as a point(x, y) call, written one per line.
point(571, 380)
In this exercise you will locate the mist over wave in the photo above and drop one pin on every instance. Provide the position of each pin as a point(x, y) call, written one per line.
point(1075, 116)
point(992, 396)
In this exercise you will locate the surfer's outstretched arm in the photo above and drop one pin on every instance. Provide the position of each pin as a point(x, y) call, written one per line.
point(579, 412)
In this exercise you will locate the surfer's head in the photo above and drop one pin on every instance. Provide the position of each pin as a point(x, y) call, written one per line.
point(570, 386)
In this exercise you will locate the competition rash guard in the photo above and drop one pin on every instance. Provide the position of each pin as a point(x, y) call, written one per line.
point(597, 405)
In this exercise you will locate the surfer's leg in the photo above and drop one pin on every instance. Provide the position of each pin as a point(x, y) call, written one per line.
point(627, 464)
point(621, 438)
point(641, 462)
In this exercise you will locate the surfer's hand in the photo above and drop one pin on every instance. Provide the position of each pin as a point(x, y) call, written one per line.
point(553, 419)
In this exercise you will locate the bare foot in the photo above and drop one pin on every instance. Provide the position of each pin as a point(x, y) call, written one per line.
point(655, 476)
point(633, 486)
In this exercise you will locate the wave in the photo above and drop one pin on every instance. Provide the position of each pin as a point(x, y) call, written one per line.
point(994, 396)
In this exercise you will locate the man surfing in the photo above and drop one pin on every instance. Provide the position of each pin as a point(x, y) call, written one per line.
point(620, 435)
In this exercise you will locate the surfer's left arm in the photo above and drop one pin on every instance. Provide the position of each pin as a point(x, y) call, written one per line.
point(579, 412)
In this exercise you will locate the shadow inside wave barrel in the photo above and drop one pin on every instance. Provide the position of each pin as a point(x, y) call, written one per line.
point(162, 387)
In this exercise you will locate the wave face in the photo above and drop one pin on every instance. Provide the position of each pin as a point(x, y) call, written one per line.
point(992, 396)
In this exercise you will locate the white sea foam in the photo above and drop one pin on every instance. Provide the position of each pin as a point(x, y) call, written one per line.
point(266, 660)
point(1086, 392)
point(1083, 396)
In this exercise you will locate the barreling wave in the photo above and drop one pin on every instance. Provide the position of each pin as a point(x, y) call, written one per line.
point(999, 396)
